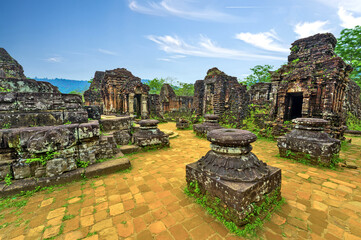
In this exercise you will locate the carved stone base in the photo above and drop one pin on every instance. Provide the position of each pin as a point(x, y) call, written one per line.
point(238, 197)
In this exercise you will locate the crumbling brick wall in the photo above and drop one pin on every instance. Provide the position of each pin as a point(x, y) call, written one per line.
point(312, 83)
point(220, 94)
point(93, 96)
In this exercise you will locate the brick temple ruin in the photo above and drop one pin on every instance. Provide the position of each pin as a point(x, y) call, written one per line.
point(118, 91)
point(220, 94)
point(312, 83)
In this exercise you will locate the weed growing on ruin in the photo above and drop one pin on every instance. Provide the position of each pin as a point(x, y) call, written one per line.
point(2, 89)
point(68, 122)
point(308, 160)
point(345, 146)
point(218, 209)
point(91, 234)
point(295, 48)
point(68, 216)
point(296, 61)
point(43, 159)
point(82, 164)
point(353, 123)
point(7, 179)
point(6, 126)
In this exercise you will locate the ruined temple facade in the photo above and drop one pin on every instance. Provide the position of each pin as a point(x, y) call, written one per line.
point(220, 94)
point(169, 101)
point(312, 84)
point(93, 95)
point(260, 93)
point(118, 91)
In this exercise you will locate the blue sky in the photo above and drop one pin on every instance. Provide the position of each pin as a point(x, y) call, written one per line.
point(181, 39)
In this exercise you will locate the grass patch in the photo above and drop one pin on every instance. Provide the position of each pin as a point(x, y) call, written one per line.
point(253, 220)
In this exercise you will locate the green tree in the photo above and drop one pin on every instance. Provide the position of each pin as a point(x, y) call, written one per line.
point(349, 48)
point(184, 89)
point(155, 85)
point(259, 74)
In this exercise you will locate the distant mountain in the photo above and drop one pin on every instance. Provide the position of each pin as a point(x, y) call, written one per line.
point(67, 85)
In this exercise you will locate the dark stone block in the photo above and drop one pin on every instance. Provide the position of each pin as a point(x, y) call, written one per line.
point(238, 196)
point(150, 135)
point(210, 123)
point(182, 124)
point(122, 137)
point(80, 116)
point(116, 123)
point(94, 111)
point(308, 142)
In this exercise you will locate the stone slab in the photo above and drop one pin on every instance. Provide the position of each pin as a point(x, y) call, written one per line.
point(94, 170)
point(236, 195)
point(126, 149)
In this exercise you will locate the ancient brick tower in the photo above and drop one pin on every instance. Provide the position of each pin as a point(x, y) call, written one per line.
point(312, 83)
point(220, 94)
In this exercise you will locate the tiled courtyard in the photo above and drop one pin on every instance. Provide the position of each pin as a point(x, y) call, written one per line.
point(148, 202)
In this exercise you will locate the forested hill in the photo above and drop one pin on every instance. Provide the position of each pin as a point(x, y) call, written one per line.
point(67, 85)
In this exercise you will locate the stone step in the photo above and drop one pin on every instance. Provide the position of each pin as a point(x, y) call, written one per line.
point(170, 133)
point(125, 149)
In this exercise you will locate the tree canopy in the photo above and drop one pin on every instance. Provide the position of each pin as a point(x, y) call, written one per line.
point(180, 88)
point(155, 85)
point(260, 73)
point(349, 48)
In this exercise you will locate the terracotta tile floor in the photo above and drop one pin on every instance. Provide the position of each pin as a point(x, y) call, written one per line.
point(149, 203)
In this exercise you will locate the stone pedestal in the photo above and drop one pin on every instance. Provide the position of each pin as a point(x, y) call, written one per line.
point(210, 123)
point(182, 123)
point(308, 142)
point(149, 135)
point(232, 179)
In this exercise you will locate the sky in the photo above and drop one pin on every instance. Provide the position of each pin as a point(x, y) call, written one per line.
point(180, 39)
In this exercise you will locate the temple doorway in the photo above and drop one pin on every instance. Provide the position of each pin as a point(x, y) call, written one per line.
point(293, 106)
point(137, 105)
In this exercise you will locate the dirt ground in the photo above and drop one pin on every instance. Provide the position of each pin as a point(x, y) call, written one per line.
point(148, 202)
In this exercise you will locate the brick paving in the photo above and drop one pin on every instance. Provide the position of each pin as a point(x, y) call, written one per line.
point(149, 203)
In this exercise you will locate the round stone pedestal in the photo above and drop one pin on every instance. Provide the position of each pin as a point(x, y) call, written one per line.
point(182, 123)
point(149, 134)
point(210, 123)
point(308, 142)
point(231, 158)
point(232, 178)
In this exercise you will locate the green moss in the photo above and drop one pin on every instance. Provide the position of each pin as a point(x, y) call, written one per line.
point(307, 159)
point(295, 48)
point(253, 220)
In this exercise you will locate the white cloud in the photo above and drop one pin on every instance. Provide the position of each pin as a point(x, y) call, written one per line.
point(349, 5)
point(180, 9)
point(263, 40)
point(164, 59)
point(177, 56)
point(107, 52)
point(205, 48)
point(54, 59)
point(307, 29)
point(241, 7)
point(347, 18)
